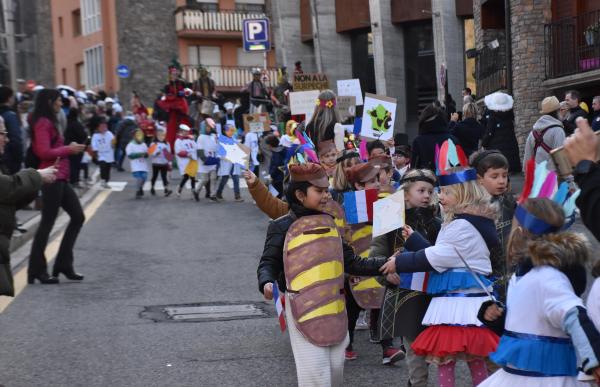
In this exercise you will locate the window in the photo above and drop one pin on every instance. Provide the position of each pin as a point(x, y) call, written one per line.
point(94, 66)
point(470, 62)
point(91, 17)
point(204, 5)
point(60, 26)
point(251, 6)
point(80, 75)
point(76, 20)
point(204, 55)
point(250, 59)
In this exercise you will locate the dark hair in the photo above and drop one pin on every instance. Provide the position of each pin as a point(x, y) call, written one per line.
point(575, 95)
point(73, 114)
point(430, 112)
point(272, 140)
point(5, 94)
point(293, 186)
point(468, 90)
point(377, 144)
point(43, 105)
point(484, 160)
point(95, 122)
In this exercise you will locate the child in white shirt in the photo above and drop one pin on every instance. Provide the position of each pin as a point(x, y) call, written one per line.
point(209, 161)
point(103, 147)
point(137, 152)
point(186, 151)
point(160, 160)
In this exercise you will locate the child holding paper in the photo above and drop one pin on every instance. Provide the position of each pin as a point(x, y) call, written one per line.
point(187, 156)
point(161, 156)
point(408, 305)
point(227, 169)
point(137, 152)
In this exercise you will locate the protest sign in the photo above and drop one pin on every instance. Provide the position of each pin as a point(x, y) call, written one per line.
point(388, 214)
point(347, 108)
point(257, 122)
point(233, 152)
point(304, 102)
point(312, 81)
point(379, 115)
point(350, 87)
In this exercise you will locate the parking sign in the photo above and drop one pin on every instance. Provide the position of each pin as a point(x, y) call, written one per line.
point(257, 35)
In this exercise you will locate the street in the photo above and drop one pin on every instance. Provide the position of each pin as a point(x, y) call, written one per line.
point(155, 252)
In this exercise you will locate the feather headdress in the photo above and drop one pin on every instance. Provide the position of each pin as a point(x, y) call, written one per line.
point(450, 156)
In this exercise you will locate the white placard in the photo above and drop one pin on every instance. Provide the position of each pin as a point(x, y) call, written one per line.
point(351, 88)
point(379, 115)
point(388, 214)
point(304, 102)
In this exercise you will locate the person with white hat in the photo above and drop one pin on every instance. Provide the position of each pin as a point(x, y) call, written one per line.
point(186, 152)
point(500, 129)
point(548, 133)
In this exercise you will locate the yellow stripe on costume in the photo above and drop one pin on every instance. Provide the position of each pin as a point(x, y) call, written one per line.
point(365, 254)
point(367, 284)
point(362, 233)
point(305, 238)
point(340, 222)
point(323, 272)
point(334, 307)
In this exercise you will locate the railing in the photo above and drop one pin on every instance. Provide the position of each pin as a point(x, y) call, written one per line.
point(490, 71)
point(230, 77)
point(223, 21)
point(572, 45)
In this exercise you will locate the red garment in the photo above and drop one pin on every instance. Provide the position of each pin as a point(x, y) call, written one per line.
point(48, 145)
point(140, 110)
point(148, 127)
point(176, 105)
point(446, 340)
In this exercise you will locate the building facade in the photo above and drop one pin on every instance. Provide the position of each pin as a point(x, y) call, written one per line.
point(91, 38)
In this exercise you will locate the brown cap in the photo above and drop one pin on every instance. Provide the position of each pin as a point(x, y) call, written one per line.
point(362, 173)
point(549, 105)
point(326, 146)
point(313, 173)
point(384, 161)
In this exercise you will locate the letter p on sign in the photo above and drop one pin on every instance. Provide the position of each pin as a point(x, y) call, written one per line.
point(256, 35)
point(255, 29)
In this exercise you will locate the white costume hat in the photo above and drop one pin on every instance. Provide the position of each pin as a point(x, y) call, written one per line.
point(499, 102)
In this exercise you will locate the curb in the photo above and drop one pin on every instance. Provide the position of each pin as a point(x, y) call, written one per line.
point(20, 245)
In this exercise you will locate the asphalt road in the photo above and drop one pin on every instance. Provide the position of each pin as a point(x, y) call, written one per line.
point(155, 252)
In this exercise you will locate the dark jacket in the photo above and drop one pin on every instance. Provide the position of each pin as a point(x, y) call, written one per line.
point(500, 270)
point(468, 132)
point(125, 130)
point(13, 151)
point(431, 133)
point(75, 132)
point(570, 124)
point(500, 135)
point(277, 158)
point(596, 122)
point(589, 199)
point(270, 267)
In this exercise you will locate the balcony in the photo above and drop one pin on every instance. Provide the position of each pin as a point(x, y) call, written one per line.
point(572, 45)
point(490, 71)
point(195, 23)
point(229, 78)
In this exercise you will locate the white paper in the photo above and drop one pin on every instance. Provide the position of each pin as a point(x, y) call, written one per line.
point(388, 214)
point(375, 111)
point(273, 191)
point(235, 154)
point(304, 102)
point(257, 127)
point(350, 87)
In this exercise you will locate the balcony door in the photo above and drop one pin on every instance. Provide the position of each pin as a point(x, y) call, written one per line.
point(207, 56)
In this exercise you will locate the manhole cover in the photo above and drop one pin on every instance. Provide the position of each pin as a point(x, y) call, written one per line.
point(203, 312)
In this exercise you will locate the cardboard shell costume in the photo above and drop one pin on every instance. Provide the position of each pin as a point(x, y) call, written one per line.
point(314, 272)
point(367, 291)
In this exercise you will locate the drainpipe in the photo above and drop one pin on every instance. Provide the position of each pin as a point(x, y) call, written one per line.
point(508, 37)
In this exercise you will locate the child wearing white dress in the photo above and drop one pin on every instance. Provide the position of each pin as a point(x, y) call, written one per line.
point(546, 331)
point(186, 150)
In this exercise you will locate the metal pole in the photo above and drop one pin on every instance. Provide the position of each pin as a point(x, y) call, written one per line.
point(9, 23)
point(316, 36)
point(508, 50)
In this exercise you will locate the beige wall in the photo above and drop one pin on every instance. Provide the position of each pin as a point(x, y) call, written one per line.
point(69, 49)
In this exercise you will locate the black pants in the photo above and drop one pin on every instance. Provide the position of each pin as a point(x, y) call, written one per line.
point(163, 169)
point(55, 196)
point(353, 311)
point(85, 168)
point(75, 165)
point(105, 170)
point(185, 179)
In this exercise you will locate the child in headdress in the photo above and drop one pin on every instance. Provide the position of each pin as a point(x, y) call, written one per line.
point(327, 154)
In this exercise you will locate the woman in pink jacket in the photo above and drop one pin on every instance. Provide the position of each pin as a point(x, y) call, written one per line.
point(48, 146)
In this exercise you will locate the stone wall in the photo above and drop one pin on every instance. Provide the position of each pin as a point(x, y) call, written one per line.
point(285, 21)
point(335, 48)
point(527, 21)
point(44, 42)
point(147, 43)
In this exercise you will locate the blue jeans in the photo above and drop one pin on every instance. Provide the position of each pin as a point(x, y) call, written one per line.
point(236, 185)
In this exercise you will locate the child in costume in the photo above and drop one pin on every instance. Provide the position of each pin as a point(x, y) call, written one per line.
point(492, 174)
point(386, 173)
point(137, 152)
point(103, 147)
point(186, 153)
point(300, 249)
point(346, 159)
point(160, 157)
point(403, 308)
point(401, 158)
point(209, 161)
point(276, 166)
point(226, 169)
point(468, 235)
point(546, 332)
point(327, 155)
point(325, 122)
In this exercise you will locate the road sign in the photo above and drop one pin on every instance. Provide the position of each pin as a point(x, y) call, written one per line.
point(123, 71)
point(257, 35)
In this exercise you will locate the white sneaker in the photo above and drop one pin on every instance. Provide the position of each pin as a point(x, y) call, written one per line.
point(361, 323)
point(105, 185)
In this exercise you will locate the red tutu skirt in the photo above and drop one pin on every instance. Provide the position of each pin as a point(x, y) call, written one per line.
point(444, 343)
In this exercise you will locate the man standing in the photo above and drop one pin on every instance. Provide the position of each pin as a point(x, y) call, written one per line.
point(13, 153)
point(596, 116)
point(573, 99)
point(258, 92)
point(204, 87)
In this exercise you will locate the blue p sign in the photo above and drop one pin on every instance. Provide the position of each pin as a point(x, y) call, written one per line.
point(256, 35)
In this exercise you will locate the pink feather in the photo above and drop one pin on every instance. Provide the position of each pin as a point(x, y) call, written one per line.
point(548, 187)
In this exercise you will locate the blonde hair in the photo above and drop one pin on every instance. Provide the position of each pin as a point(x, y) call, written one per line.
point(323, 116)
point(471, 198)
point(340, 181)
point(470, 110)
point(554, 249)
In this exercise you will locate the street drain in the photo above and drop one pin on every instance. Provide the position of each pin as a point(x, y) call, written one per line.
point(205, 312)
